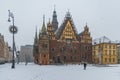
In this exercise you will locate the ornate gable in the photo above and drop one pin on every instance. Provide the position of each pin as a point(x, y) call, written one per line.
point(67, 30)
point(85, 36)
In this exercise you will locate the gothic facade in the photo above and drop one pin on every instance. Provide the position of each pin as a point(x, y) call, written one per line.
point(62, 45)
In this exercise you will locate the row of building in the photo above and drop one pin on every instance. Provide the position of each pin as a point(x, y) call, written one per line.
point(103, 52)
point(64, 45)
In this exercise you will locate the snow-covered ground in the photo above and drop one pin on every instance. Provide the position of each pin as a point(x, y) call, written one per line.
point(58, 72)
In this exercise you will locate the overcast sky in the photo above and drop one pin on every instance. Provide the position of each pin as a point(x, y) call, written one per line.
point(102, 17)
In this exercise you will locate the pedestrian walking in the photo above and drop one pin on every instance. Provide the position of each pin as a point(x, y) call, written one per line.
point(85, 65)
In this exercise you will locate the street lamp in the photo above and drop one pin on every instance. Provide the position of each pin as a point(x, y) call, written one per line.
point(13, 30)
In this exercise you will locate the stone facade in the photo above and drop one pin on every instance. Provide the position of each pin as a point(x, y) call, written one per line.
point(62, 45)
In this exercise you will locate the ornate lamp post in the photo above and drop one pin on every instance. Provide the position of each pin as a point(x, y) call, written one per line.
point(13, 30)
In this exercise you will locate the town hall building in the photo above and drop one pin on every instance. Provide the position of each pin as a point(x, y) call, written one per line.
point(62, 45)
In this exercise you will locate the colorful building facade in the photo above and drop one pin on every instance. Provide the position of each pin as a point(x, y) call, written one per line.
point(104, 53)
point(62, 45)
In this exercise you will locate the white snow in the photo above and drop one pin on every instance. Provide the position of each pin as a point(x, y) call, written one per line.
point(58, 72)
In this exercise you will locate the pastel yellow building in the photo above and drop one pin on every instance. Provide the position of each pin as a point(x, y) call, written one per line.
point(104, 53)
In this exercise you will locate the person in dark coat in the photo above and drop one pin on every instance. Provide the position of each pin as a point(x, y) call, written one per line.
point(85, 65)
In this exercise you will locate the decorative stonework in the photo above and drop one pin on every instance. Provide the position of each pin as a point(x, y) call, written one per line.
point(63, 45)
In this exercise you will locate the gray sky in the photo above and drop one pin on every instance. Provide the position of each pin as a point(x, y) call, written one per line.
point(102, 17)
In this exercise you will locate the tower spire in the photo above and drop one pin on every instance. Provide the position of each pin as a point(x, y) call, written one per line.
point(54, 20)
point(35, 40)
point(43, 26)
point(39, 33)
point(36, 32)
point(49, 21)
point(43, 20)
point(86, 27)
point(68, 13)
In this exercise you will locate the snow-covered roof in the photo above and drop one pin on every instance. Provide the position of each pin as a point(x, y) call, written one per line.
point(102, 39)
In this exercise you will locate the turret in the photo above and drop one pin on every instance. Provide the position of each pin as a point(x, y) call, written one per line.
point(54, 21)
point(35, 46)
point(35, 39)
point(43, 30)
point(50, 30)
